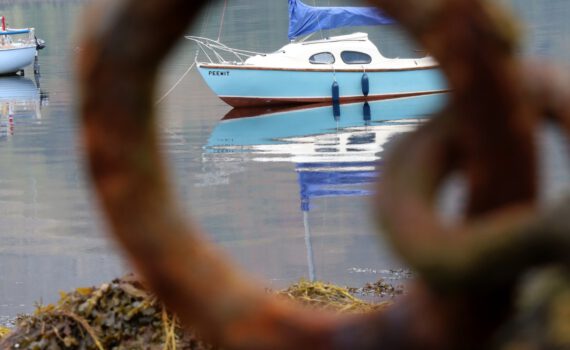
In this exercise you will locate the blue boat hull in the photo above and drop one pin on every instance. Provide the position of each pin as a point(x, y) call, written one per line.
point(246, 86)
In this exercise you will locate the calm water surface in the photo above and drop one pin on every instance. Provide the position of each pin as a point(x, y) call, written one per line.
point(287, 198)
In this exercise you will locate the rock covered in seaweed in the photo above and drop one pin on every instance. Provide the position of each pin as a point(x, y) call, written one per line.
point(118, 315)
point(124, 315)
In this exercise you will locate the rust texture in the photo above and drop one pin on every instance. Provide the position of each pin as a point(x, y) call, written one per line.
point(467, 272)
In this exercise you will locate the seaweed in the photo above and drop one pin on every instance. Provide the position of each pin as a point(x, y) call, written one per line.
point(4, 332)
point(380, 288)
point(329, 297)
point(124, 315)
point(117, 315)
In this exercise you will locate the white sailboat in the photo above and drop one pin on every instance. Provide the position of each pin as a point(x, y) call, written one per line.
point(345, 68)
point(18, 48)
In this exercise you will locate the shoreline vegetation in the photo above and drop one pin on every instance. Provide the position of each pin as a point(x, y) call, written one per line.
point(123, 314)
point(4, 332)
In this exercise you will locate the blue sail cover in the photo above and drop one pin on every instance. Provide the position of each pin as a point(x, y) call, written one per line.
point(304, 19)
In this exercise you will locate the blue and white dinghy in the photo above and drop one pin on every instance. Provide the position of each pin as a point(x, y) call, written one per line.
point(345, 68)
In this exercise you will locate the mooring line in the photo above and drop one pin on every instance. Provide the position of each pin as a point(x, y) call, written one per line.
point(176, 84)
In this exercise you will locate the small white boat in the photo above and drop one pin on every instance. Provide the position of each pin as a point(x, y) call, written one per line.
point(341, 69)
point(18, 48)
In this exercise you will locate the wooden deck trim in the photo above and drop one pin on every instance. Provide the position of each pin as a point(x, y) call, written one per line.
point(341, 70)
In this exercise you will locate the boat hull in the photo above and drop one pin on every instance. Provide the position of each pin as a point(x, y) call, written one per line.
point(246, 86)
point(14, 59)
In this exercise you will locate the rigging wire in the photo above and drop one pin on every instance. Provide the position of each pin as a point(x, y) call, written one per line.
point(319, 21)
point(222, 20)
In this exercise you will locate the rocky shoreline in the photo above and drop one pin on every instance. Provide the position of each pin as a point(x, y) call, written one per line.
point(123, 313)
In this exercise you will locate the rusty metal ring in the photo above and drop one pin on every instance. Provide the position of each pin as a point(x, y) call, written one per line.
point(473, 41)
point(487, 133)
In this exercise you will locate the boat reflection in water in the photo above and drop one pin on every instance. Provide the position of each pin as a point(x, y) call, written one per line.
point(335, 149)
point(20, 99)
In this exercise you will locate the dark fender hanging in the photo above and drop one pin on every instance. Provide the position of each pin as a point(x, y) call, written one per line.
point(365, 84)
point(335, 93)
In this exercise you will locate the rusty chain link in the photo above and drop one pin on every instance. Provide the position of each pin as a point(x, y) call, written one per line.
point(467, 272)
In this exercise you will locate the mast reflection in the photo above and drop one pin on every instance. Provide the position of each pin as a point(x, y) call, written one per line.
point(336, 154)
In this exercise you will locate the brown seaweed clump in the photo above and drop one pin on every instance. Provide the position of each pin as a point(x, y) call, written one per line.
point(379, 288)
point(4, 332)
point(122, 315)
point(329, 297)
point(119, 315)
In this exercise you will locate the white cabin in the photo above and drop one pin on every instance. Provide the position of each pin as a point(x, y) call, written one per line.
point(341, 52)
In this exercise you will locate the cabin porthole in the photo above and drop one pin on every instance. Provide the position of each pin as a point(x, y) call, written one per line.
point(355, 57)
point(322, 58)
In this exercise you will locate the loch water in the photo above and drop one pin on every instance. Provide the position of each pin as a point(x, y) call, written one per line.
point(285, 193)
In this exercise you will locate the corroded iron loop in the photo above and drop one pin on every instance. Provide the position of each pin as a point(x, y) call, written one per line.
point(117, 67)
point(487, 104)
point(488, 248)
point(486, 133)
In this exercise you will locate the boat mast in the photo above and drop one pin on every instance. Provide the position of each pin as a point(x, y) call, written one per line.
point(319, 21)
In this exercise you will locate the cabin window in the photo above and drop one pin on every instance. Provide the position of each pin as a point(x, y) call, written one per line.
point(355, 57)
point(322, 58)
